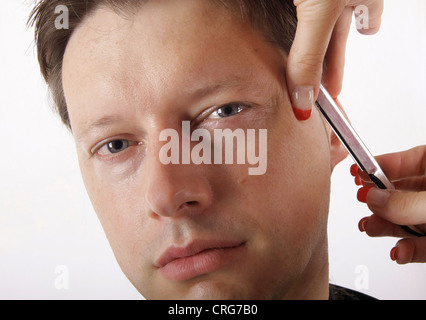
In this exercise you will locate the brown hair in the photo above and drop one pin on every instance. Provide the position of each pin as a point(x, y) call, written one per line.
point(276, 19)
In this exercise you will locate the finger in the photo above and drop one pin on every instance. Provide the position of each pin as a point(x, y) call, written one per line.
point(361, 176)
point(335, 56)
point(409, 250)
point(375, 226)
point(409, 163)
point(368, 15)
point(408, 184)
point(316, 21)
point(411, 184)
point(399, 166)
point(399, 207)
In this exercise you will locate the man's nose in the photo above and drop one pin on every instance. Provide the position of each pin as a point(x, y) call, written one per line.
point(175, 190)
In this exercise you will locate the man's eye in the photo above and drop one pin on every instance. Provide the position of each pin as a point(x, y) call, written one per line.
point(117, 146)
point(113, 147)
point(227, 110)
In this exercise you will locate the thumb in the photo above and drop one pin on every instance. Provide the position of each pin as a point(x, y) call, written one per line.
point(316, 21)
point(399, 207)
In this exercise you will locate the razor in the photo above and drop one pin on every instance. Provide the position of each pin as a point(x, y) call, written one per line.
point(355, 146)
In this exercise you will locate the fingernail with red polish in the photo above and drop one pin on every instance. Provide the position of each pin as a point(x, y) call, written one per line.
point(303, 102)
point(393, 254)
point(361, 224)
point(354, 170)
point(362, 194)
point(358, 181)
point(302, 115)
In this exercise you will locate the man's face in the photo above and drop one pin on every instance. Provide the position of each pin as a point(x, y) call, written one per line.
point(188, 230)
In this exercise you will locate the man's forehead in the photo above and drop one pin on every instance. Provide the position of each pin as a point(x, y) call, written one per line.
point(123, 54)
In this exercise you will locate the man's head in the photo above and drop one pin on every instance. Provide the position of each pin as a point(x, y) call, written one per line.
point(186, 230)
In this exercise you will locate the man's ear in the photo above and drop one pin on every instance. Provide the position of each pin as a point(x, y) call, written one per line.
point(338, 151)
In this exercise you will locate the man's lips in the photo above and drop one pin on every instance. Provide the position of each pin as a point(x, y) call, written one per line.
point(198, 257)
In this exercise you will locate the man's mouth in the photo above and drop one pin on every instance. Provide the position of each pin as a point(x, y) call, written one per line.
point(197, 258)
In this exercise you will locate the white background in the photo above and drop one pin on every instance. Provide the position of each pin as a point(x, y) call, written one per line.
point(46, 219)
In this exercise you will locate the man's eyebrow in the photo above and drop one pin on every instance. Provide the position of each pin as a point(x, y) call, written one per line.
point(231, 83)
point(98, 124)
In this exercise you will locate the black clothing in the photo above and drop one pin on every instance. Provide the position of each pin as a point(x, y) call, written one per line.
point(340, 293)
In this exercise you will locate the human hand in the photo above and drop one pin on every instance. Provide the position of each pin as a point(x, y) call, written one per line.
point(404, 206)
point(322, 32)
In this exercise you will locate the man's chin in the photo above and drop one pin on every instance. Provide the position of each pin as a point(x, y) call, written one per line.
point(205, 288)
point(217, 290)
